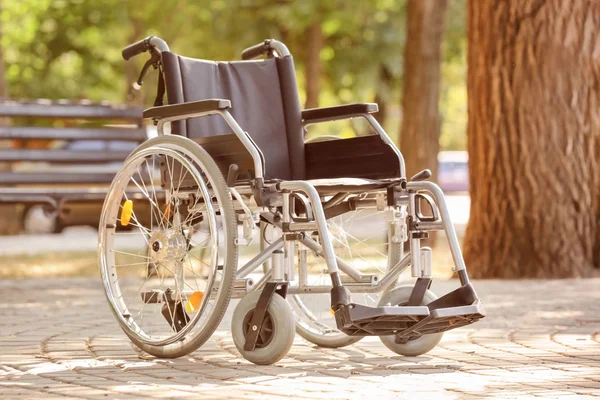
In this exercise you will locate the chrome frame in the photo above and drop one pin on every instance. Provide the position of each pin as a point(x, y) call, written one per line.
point(283, 261)
point(336, 264)
point(244, 137)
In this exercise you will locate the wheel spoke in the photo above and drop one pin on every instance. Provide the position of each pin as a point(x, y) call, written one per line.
point(179, 253)
point(355, 241)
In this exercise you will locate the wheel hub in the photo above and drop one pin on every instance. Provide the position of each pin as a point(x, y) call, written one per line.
point(266, 333)
point(167, 246)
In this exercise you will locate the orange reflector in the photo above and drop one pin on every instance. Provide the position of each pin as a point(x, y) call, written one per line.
point(167, 212)
point(331, 311)
point(193, 303)
point(126, 212)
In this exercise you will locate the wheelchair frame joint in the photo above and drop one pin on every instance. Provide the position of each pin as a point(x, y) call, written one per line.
point(265, 196)
point(340, 296)
point(419, 235)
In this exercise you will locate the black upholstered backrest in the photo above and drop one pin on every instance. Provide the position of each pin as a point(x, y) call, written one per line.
point(264, 100)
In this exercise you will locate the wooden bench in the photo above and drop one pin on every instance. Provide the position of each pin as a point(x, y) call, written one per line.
point(42, 165)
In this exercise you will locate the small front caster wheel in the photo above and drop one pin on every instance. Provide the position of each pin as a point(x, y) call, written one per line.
point(277, 333)
point(415, 347)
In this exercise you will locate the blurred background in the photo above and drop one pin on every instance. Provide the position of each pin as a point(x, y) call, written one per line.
point(409, 56)
point(71, 49)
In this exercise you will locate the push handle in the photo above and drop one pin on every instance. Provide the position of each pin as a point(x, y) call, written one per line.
point(421, 176)
point(257, 50)
point(136, 48)
point(232, 175)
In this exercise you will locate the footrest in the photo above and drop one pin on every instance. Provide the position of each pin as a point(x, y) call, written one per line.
point(458, 308)
point(359, 320)
point(441, 320)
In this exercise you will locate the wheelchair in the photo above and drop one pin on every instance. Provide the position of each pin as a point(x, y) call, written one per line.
point(333, 223)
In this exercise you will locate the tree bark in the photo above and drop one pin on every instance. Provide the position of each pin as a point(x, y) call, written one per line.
point(533, 138)
point(420, 130)
point(313, 64)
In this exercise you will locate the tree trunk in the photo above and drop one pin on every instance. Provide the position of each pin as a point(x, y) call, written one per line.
point(534, 124)
point(420, 130)
point(313, 64)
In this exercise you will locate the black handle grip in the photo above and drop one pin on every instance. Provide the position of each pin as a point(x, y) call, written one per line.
point(136, 48)
point(232, 175)
point(257, 50)
point(422, 176)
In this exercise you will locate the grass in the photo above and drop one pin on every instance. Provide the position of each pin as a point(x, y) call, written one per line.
point(49, 265)
point(85, 264)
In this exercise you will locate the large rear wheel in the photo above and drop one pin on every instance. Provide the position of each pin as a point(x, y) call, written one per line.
point(168, 280)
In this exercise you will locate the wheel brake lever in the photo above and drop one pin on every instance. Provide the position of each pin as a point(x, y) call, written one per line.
point(152, 61)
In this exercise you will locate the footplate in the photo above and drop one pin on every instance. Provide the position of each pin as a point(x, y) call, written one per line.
point(359, 320)
point(458, 308)
point(442, 320)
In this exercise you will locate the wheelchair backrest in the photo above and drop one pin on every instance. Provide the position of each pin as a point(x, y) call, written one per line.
point(264, 100)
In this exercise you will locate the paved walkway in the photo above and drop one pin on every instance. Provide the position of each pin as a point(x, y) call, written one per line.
point(540, 339)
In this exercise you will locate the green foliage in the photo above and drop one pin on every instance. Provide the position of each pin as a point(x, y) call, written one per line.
point(453, 96)
point(71, 48)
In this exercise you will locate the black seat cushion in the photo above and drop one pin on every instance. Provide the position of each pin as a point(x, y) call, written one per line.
point(264, 102)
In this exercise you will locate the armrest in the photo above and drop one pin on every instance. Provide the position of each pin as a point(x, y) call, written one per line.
point(338, 112)
point(191, 108)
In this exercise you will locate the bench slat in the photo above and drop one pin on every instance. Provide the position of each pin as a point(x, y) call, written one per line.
point(36, 132)
point(33, 178)
point(53, 195)
point(63, 156)
point(54, 110)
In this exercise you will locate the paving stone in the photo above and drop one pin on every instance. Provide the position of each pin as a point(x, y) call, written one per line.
point(540, 339)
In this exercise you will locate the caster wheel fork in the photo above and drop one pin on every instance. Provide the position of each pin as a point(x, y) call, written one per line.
point(263, 326)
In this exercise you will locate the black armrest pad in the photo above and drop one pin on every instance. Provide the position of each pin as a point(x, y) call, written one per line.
point(339, 111)
point(192, 107)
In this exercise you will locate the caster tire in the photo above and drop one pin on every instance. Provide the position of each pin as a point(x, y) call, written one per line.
point(38, 220)
point(277, 334)
point(415, 347)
